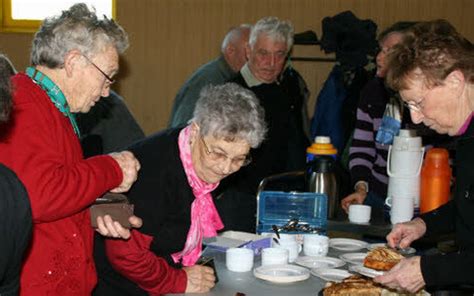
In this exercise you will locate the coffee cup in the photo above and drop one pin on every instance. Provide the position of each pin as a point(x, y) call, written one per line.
point(293, 247)
point(359, 213)
point(287, 237)
point(274, 256)
point(315, 245)
point(239, 259)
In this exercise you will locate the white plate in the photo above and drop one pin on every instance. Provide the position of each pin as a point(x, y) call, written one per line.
point(347, 244)
point(404, 252)
point(370, 247)
point(331, 274)
point(281, 273)
point(354, 258)
point(319, 262)
point(365, 271)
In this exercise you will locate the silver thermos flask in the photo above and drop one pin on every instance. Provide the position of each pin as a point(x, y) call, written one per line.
point(322, 179)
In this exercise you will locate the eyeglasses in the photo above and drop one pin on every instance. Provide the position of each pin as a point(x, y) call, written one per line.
point(415, 106)
point(109, 79)
point(221, 157)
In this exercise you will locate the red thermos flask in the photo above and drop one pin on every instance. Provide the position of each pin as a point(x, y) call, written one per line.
point(435, 180)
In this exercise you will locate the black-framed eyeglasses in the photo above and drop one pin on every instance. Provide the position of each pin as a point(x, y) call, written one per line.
point(217, 156)
point(109, 79)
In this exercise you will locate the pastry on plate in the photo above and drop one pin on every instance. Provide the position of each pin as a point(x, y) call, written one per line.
point(382, 258)
point(354, 285)
point(357, 285)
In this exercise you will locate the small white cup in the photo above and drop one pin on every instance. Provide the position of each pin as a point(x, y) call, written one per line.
point(359, 213)
point(402, 209)
point(274, 256)
point(293, 247)
point(315, 245)
point(287, 237)
point(239, 259)
point(291, 237)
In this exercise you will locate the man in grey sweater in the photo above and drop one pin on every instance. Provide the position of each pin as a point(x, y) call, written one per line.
point(218, 71)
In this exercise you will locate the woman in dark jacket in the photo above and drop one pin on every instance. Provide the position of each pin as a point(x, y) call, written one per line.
point(180, 168)
point(433, 69)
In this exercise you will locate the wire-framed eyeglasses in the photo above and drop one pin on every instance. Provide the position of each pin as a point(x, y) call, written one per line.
point(109, 79)
point(415, 106)
point(217, 156)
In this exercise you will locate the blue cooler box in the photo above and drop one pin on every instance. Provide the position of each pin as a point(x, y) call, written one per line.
point(278, 207)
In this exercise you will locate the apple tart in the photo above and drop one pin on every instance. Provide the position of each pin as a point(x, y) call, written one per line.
point(382, 258)
point(353, 286)
point(357, 285)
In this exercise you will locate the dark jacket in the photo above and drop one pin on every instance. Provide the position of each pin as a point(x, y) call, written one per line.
point(455, 269)
point(161, 194)
point(284, 149)
point(108, 127)
point(162, 198)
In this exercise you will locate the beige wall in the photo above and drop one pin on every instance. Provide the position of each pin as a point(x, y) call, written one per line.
point(171, 38)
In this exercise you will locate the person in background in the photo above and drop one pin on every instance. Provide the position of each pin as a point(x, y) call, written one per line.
point(217, 71)
point(173, 195)
point(433, 69)
point(284, 149)
point(379, 111)
point(15, 210)
point(108, 127)
point(7, 69)
point(74, 56)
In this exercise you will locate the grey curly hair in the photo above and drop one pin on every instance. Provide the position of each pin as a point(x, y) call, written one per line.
point(230, 112)
point(76, 28)
point(275, 29)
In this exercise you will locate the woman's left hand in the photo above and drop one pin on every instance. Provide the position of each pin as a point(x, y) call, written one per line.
point(107, 227)
point(405, 276)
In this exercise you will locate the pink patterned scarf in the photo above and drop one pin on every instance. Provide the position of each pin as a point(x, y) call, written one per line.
point(205, 220)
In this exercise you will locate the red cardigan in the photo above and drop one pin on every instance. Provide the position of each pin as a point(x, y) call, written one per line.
point(40, 145)
point(134, 260)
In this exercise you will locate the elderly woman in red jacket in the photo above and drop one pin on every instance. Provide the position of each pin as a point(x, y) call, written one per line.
point(74, 57)
point(181, 168)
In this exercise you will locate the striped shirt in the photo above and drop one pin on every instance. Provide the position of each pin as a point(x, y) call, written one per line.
point(367, 158)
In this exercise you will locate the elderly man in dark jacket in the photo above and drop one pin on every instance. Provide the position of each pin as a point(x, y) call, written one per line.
point(283, 100)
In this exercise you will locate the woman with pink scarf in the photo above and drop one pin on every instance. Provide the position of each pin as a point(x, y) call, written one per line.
point(180, 169)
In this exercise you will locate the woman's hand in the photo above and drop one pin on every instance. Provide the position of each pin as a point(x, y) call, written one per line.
point(200, 279)
point(403, 234)
point(129, 166)
point(405, 276)
point(357, 197)
point(107, 227)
